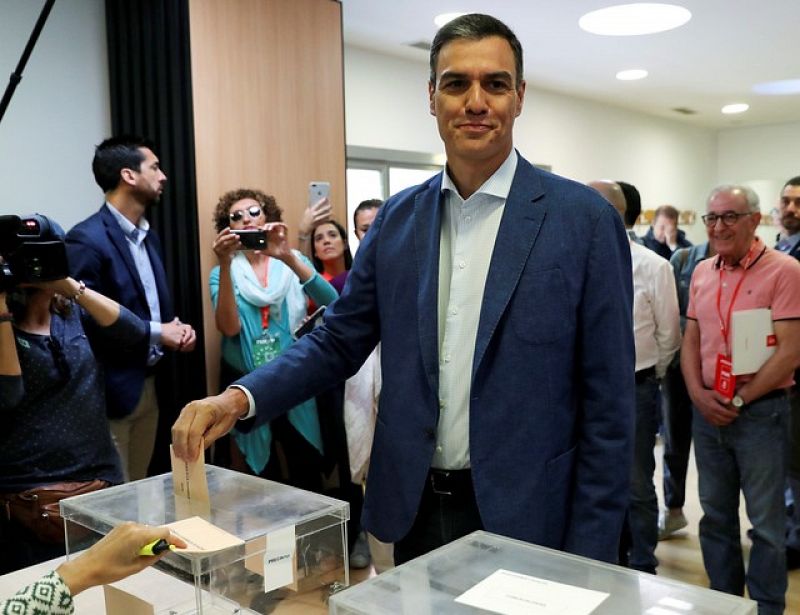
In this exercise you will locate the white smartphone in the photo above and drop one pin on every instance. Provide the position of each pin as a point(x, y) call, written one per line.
point(318, 191)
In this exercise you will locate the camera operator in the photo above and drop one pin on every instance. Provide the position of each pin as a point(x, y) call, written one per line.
point(54, 435)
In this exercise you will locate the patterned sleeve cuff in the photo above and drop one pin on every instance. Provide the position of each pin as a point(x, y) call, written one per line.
point(47, 595)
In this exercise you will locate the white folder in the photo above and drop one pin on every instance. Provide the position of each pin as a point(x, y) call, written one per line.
point(753, 340)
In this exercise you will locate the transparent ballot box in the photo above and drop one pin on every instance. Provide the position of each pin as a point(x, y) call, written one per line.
point(509, 576)
point(276, 548)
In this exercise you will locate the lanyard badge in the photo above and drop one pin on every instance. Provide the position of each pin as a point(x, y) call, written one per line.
point(724, 380)
point(265, 348)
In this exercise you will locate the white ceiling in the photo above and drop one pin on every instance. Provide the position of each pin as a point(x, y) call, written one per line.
point(715, 59)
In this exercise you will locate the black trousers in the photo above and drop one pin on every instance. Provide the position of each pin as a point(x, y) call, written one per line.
point(445, 514)
point(677, 435)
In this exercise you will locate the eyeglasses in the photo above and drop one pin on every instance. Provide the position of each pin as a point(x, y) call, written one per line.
point(729, 218)
point(252, 212)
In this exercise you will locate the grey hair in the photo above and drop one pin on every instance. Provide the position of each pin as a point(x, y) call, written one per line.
point(749, 194)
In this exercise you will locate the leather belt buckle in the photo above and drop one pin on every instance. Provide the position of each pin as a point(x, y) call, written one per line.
point(438, 483)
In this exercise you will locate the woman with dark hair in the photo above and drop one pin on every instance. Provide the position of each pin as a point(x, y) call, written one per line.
point(332, 258)
point(260, 297)
point(330, 252)
point(54, 435)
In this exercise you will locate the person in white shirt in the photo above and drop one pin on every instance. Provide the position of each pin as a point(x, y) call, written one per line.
point(657, 337)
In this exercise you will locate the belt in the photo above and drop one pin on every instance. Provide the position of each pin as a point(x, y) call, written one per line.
point(455, 483)
point(644, 374)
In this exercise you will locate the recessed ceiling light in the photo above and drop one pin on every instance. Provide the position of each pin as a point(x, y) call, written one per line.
point(735, 108)
point(634, 19)
point(632, 74)
point(778, 88)
point(444, 18)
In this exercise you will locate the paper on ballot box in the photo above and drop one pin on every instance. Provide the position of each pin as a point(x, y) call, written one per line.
point(753, 340)
point(510, 593)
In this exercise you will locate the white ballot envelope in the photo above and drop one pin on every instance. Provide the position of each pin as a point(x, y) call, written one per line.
point(753, 340)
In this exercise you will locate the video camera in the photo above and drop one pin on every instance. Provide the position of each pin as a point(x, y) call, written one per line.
point(32, 249)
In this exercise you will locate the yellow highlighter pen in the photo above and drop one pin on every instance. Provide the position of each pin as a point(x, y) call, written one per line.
point(156, 547)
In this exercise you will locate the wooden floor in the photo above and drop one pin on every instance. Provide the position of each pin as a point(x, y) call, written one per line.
point(680, 558)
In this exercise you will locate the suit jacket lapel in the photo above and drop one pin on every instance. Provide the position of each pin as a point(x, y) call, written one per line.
point(120, 242)
point(523, 215)
point(427, 224)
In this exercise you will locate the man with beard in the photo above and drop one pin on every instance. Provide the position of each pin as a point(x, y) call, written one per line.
point(790, 244)
point(115, 252)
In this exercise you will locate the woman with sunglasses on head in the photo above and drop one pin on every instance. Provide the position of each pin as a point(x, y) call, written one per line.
point(260, 297)
point(54, 434)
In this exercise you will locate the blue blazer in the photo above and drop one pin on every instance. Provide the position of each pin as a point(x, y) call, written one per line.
point(552, 386)
point(98, 254)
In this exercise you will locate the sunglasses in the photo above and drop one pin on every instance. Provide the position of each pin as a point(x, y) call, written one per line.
point(252, 212)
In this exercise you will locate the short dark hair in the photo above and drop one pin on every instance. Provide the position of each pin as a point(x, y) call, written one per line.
point(365, 205)
point(115, 154)
point(348, 256)
point(269, 206)
point(475, 26)
point(633, 202)
point(795, 181)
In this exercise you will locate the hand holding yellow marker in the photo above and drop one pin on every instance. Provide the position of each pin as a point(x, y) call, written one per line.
point(156, 547)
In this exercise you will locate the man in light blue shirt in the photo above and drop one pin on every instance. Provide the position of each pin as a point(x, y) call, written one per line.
point(115, 252)
point(507, 352)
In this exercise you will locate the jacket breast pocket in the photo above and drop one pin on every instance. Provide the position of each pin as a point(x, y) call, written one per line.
point(541, 312)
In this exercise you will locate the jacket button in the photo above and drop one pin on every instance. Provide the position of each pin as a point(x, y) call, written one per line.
point(430, 433)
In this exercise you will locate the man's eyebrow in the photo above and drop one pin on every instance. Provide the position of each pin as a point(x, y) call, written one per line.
point(502, 74)
point(452, 75)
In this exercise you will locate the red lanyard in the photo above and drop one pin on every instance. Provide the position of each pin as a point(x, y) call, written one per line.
point(265, 309)
point(725, 325)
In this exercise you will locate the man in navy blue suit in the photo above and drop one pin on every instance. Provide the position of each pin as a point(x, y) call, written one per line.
point(501, 296)
point(115, 252)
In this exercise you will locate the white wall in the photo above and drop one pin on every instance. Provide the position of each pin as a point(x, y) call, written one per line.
point(670, 162)
point(763, 157)
point(59, 111)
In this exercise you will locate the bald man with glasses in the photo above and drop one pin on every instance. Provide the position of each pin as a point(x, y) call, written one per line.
point(740, 426)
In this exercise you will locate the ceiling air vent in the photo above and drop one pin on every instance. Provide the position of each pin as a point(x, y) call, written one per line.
point(684, 111)
point(424, 45)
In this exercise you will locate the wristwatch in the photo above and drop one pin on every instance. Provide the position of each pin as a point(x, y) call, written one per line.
point(737, 401)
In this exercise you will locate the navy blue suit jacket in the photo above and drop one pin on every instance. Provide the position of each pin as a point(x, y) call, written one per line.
point(552, 388)
point(98, 254)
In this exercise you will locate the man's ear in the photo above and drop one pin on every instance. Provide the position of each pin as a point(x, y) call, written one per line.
point(431, 91)
point(520, 97)
point(128, 176)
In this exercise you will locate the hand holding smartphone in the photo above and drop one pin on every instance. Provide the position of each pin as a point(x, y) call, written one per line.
point(309, 323)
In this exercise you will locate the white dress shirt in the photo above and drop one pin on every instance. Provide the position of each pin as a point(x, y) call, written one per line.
point(469, 229)
point(656, 319)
